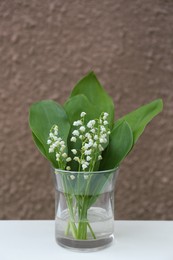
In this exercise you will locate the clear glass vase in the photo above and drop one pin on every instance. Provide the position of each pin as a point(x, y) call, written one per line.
point(84, 209)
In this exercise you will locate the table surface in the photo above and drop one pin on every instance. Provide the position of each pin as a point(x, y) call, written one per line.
point(137, 240)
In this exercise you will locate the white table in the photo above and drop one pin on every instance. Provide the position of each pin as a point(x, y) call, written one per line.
point(136, 240)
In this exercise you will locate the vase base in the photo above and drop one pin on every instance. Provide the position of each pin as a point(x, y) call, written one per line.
point(85, 245)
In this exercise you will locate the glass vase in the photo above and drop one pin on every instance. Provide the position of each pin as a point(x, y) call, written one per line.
point(84, 209)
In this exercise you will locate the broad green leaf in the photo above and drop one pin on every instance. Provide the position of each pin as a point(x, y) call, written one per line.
point(90, 87)
point(121, 141)
point(77, 104)
point(139, 118)
point(39, 145)
point(42, 116)
point(80, 103)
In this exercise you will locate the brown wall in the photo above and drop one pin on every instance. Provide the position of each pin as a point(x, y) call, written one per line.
point(45, 48)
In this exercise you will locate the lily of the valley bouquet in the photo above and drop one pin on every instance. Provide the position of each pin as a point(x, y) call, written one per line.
point(81, 139)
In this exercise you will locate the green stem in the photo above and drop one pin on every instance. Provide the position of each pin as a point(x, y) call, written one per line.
point(71, 213)
point(82, 227)
point(83, 220)
point(69, 202)
point(90, 228)
point(67, 229)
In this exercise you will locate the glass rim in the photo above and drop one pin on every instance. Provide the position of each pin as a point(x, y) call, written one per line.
point(87, 172)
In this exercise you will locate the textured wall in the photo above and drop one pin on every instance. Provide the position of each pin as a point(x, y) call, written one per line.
point(45, 48)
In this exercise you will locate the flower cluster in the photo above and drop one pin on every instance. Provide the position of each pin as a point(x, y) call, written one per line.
point(93, 137)
point(57, 146)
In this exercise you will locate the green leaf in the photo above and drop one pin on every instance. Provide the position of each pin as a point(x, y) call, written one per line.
point(39, 145)
point(42, 116)
point(100, 101)
point(139, 118)
point(77, 104)
point(80, 103)
point(121, 141)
